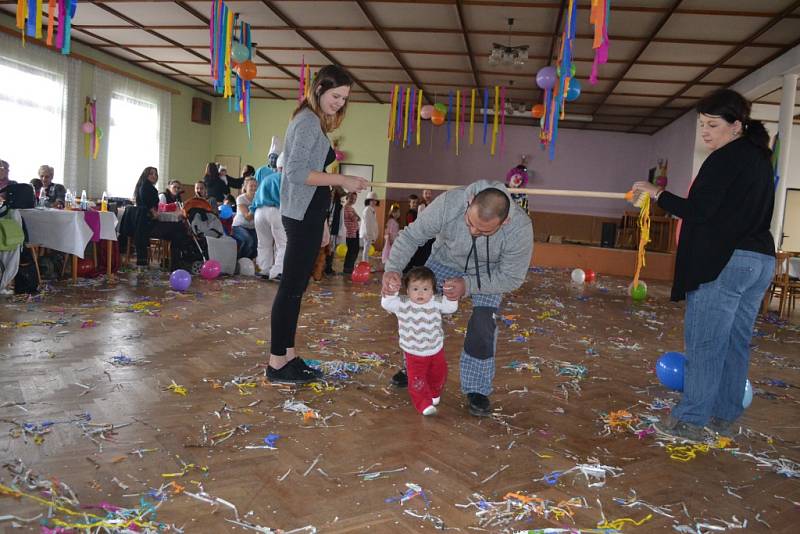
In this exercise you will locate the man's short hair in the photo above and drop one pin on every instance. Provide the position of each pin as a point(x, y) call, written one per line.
point(492, 204)
point(47, 169)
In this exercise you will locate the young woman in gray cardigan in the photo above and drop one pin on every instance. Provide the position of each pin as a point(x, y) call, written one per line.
point(305, 198)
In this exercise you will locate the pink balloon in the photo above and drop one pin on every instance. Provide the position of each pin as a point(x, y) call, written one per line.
point(426, 111)
point(211, 269)
point(661, 181)
point(87, 127)
point(339, 155)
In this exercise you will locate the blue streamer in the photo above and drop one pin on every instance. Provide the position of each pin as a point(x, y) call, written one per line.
point(30, 27)
point(485, 113)
point(67, 45)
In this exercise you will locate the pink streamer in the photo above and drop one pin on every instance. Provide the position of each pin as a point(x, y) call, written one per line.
point(62, 13)
point(502, 120)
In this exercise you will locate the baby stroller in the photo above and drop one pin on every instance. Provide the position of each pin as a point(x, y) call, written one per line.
point(209, 236)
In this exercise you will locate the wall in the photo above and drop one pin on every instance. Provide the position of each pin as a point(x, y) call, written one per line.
point(190, 143)
point(585, 160)
point(676, 143)
point(362, 134)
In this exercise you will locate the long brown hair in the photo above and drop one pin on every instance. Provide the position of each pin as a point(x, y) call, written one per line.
point(328, 77)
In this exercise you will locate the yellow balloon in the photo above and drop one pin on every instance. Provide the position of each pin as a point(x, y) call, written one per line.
point(341, 250)
point(371, 250)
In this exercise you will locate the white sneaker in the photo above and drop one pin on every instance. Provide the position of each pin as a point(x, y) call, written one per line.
point(436, 400)
point(430, 410)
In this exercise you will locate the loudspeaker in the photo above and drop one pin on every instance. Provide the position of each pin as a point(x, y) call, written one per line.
point(608, 236)
point(201, 111)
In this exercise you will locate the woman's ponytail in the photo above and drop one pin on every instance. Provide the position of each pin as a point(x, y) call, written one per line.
point(755, 132)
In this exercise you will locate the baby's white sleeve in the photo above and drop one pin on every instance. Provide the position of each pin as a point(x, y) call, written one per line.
point(391, 303)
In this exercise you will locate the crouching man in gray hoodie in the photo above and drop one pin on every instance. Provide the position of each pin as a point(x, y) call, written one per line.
point(483, 249)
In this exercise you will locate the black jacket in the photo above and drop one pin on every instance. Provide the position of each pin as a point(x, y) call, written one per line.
point(729, 207)
point(217, 188)
point(146, 196)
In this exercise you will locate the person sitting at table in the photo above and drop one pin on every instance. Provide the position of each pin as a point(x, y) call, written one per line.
point(244, 227)
point(4, 181)
point(173, 192)
point(37, 187)
point(54, 193)
point(147, 225)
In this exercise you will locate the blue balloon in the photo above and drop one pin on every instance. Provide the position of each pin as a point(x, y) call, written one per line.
point(669, 370)
point(225, 212)
point(748, 394)
point(574, 89)
point(180, 280)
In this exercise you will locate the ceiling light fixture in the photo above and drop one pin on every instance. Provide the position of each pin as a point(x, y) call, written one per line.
point(508, 55)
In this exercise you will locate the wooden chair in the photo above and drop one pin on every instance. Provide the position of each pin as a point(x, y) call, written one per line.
point(784, 288)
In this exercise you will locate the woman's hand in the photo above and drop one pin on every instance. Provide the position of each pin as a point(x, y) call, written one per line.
point(648, 188)
point(354, 184)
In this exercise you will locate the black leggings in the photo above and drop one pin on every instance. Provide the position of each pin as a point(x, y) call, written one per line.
point(303, 240)
point(351, 255)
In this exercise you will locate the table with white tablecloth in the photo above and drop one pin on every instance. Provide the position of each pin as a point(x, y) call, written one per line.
point(794, 267)
point(67, 231)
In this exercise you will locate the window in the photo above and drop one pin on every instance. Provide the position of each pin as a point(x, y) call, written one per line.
point(32, 107)
point(133, 142)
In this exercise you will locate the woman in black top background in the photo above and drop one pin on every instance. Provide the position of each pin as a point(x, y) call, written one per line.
point(724, 263)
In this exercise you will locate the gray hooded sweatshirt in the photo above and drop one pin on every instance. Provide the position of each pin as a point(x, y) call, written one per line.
point(494, 264)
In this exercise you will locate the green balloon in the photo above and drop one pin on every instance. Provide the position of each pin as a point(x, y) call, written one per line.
point(639, 292)
point(440, 107)
point(572, 70)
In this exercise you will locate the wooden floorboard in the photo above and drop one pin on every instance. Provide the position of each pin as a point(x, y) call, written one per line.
point(57, 365)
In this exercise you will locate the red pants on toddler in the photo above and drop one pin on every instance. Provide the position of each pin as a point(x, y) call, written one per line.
point(426, 377)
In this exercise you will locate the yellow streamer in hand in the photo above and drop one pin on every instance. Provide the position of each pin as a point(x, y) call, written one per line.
point(644, 237)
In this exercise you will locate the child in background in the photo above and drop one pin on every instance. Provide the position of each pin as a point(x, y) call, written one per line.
point(413, 204)
point(392, 229)
point(419, 320)
point(369, 224)
point(351, 220)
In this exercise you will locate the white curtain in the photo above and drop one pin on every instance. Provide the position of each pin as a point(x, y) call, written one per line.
point(105, 86)
point(33, 63)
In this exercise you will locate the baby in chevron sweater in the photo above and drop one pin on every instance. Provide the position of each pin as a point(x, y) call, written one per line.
point(419, 318)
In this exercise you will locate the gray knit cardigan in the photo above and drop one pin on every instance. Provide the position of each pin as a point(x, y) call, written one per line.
point(305, 149)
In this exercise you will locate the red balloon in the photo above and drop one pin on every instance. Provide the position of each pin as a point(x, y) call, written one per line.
point(590, 275)
point(247, 70)
point(537, 111)
point(361, 273)
point(86, 267)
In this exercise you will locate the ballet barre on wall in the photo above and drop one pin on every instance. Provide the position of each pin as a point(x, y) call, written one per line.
point(544, 192)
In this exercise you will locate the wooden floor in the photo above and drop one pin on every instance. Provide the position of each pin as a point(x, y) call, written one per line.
point(111, 351)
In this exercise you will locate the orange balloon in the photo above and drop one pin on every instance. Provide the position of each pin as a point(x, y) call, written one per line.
point(247, 70)
point(437, 118)
point(538, 111)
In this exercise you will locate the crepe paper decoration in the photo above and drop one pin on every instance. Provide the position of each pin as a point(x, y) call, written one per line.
point(495, 119)
point(51, 17)
point(400, 107)
point(91, 139)
point(472, 117)
point(447, 114)
point(301, 90)
point(463, 122)
point(38, 20)
point(776, 154)
point(618, 524)
point(599, 17)
point(228, 66)
point(392, 114)
point(419, 115)
point(644, 237)
point(458, 118)
point(502, 120)
point(485, 113)
point(180, 390)
point(407, 101)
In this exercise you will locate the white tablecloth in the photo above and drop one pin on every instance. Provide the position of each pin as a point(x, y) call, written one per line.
point(163, 216)
point(64, 230)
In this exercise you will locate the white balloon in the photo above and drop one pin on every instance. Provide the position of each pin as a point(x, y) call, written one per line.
point(578, 276)
point(247, 267)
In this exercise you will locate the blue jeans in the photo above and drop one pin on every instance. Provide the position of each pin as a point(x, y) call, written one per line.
point(717, 329)
point(477, 358)
point(248, 242)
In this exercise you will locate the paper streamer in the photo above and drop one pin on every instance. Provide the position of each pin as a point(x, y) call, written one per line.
point(472, 117)
point(463, 123)
point(407, 101)
point(502, 120)
point(485, 113)
point(458, 118)
point(301, 90)
point(419, 115)
point(51, 17)
point(447, 116)
point(400, 106)
point(496, 118)
point(411, 115)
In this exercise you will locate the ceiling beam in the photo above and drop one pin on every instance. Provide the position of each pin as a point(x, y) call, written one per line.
point(735, 50)
point(310, 40)
point(380, 31)
point(465, 33)
point(638, 54)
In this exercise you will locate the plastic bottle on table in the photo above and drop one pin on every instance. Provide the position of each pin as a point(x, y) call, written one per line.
point(84, 201)
point(104, 202)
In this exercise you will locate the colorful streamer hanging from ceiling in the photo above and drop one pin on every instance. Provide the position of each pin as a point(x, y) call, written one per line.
point(30, 21)
point(232, 67)
point(92, 133)
point(601, 12)
point(407, 112)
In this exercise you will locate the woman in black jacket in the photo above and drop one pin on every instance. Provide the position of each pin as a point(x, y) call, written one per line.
point(218, 183)
point(724, 263)
point(146, 222)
